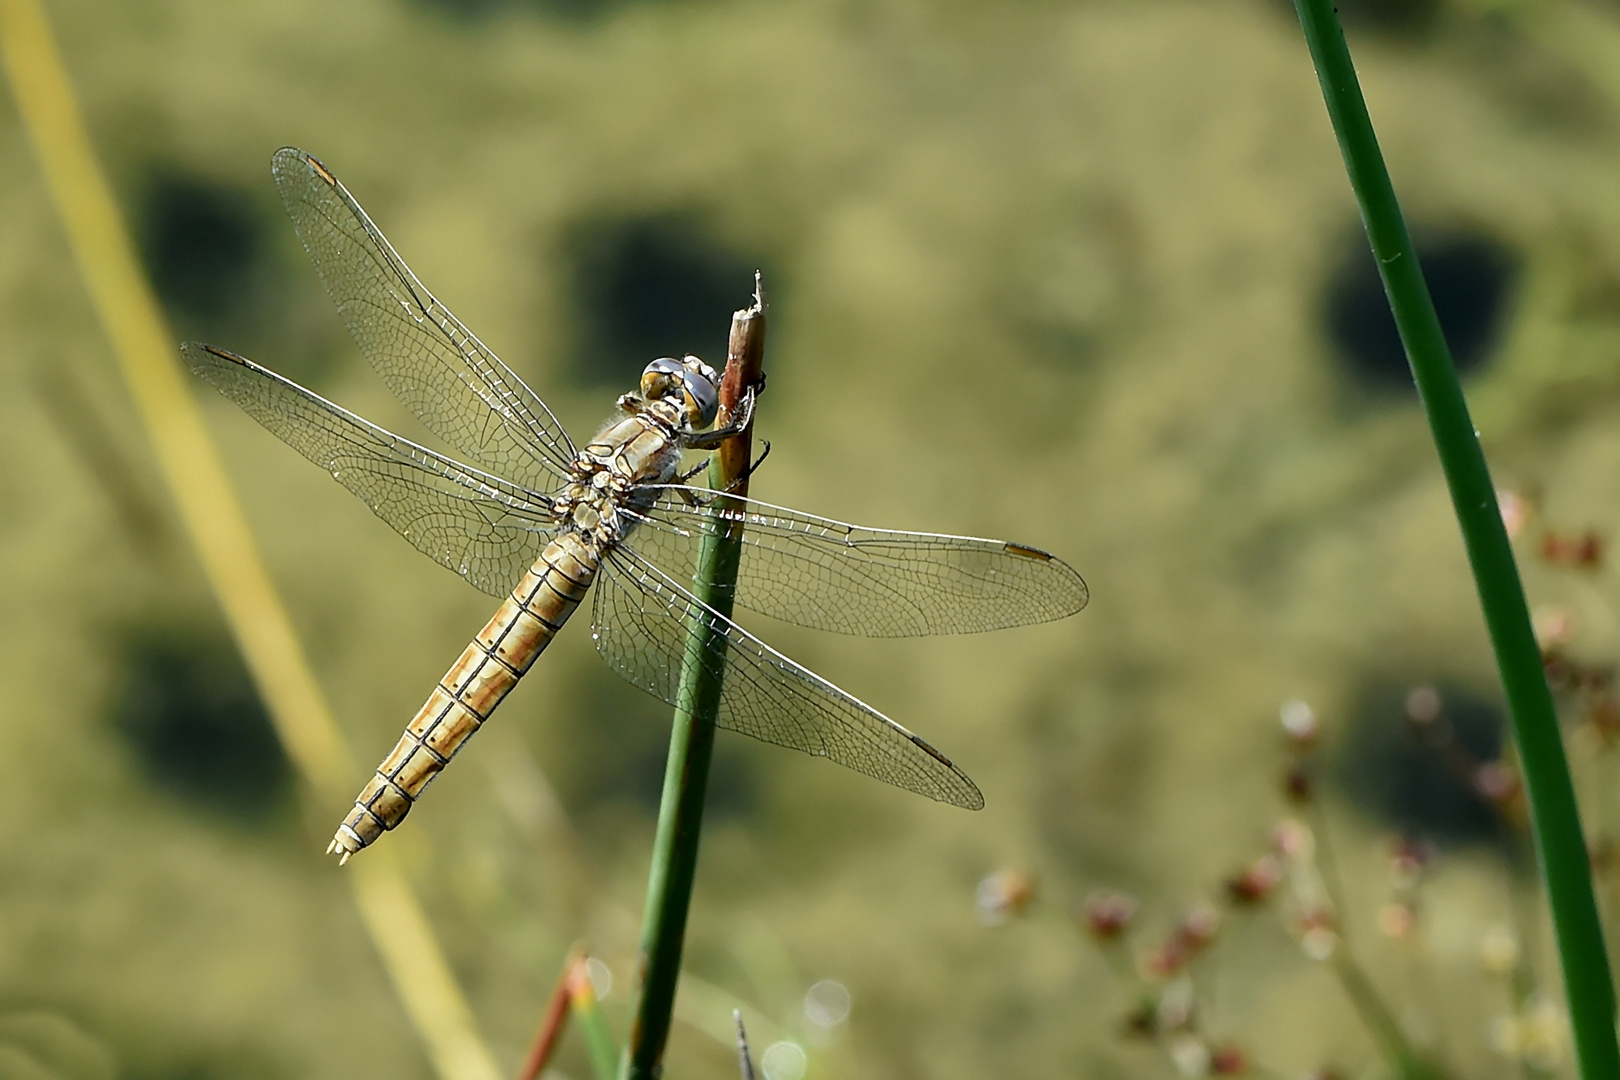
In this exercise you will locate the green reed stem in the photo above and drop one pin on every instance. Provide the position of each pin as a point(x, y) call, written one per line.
point(1554, 816)
point(600, 1046)
point(691, 744)
point(574, 997)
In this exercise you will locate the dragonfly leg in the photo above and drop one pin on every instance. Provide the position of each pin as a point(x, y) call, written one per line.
point(693, 471)
point(690, 495)
point(757, 462)
point(708, 440)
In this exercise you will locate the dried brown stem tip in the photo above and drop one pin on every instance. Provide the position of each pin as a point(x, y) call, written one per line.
point(745, 356)
point(555, 1018)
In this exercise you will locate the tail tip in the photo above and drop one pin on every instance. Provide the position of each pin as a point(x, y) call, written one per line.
point(343, 846)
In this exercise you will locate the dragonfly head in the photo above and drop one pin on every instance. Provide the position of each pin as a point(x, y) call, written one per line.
point(689, 382)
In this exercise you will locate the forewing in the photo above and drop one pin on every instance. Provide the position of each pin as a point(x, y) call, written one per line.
point(641, 620)
point(445, 375)
point(828, 575)
point(485, 529)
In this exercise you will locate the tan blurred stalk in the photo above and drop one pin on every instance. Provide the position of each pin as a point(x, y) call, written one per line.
point(208, 507)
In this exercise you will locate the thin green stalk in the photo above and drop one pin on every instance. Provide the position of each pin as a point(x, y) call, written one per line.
point(745, 1061)
point(691, 744)
point(1554, 817)
point(1327, 867)
point(1381, 1023)
point(573, 997)
point(600, 1045)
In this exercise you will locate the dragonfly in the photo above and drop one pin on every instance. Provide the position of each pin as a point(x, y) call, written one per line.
point(542, 523)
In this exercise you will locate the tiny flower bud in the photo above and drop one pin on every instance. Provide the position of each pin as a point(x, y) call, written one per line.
point(1496, 781)
point(1108, 915)
point(1257, 881)
point(1297, 785)
point(1004, 895)
point(1143, 1021)
point(1408, 858)
point(1562, 674)
point(1547, 1031)
point(1229, 1060)
point(1499, 951)
point(1604, 714)
point(1300, 724)
point(1293, 840)
point(1515, 510)
point(1396, 920)
point(1507, 1036)
point(1191, 936)
point(1165, 961)
point(1423, 705)
point(1584, 552)
point(1199, 927)
point(1177, 1004)
point(1553, 626)
point(1318, 933)
point(1325, 1072)
point(1190, 1055)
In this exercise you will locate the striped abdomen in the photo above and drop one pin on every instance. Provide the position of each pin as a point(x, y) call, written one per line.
point(521, 629)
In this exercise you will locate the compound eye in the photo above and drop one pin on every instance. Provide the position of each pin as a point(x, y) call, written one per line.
point(666, 364)
point(702, 401)
point(697, 367)
point(661, 376)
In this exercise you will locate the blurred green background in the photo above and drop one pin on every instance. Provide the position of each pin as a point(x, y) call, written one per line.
point(1084, 275)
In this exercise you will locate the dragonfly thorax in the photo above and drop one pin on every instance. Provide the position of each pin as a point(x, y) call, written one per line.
point(609, 474)
point(592, 511)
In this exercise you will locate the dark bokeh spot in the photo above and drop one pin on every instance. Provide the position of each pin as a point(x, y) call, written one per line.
point(1420, 778)
point(573, 10)
point(652, 286)
point(204, 246)
point(225, 263)
point(197, 727)
point(470, 11)
point(1390, 18)
point(237, 1067)
point(1469, 276)
point(465, 10)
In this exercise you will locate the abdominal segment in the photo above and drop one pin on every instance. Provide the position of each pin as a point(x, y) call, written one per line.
point(503, 650)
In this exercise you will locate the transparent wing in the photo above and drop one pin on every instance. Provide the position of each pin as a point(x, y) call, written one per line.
point(640, 625)
point(827, 575)
point(485, 529)
point(434, 364)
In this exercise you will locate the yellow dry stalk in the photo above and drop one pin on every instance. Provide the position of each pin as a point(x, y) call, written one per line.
point(212, 516)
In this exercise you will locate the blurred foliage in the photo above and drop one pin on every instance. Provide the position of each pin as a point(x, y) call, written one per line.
point(195, 724)
point(1470, 279)
point(201, 242)
point(1418, 774)
point(1057, 272)
point(650, 286)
